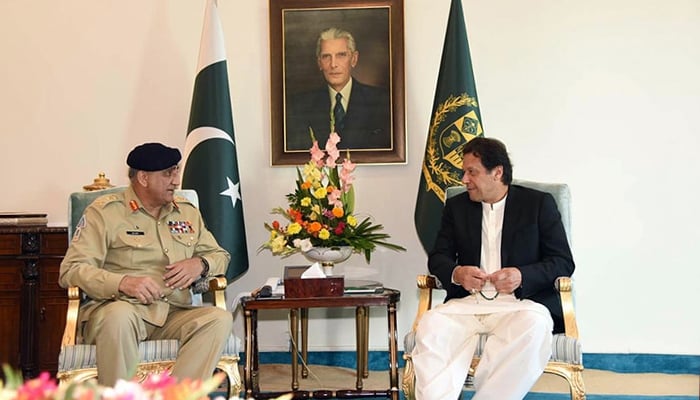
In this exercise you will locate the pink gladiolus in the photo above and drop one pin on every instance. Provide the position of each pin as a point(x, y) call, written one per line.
point(334, 196)
point(346, 177)
point(317, 154)
point(332, 149)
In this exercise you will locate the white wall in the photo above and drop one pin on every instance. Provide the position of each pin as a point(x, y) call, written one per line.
point(597, 94)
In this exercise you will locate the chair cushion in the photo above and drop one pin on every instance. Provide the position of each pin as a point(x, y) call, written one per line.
point(82, 356)
point(564, 348)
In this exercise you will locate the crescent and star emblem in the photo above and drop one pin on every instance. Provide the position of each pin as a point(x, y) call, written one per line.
point(202, 134)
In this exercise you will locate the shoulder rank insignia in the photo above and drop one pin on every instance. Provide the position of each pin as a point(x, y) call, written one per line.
point(178, 199)
point(104, 200)
point(180, 227)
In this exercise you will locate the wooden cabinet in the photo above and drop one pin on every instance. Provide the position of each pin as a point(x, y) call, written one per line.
point(32, 305)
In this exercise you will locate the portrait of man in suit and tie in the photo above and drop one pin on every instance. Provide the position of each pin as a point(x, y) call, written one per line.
point(360, 112)
point(337, 67)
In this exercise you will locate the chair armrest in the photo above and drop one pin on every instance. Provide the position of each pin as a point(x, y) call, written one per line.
point(217, 285)
point(70, 332)
point(426, 284)
point(564, 285)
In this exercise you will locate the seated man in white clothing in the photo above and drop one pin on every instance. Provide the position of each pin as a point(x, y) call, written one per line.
point(498, 252)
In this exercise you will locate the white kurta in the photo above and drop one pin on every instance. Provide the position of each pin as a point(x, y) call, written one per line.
point(516, 351)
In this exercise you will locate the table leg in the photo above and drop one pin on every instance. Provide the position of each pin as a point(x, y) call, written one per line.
point(250, 376)
point(365, 370)
point(393, 353)
point(304, 342)
point(360, 344)
point(294, 331)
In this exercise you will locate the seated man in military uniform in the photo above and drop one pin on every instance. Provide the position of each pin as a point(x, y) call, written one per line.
point(135, 254)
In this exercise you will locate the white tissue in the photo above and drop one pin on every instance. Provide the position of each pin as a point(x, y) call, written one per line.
point(314, 271)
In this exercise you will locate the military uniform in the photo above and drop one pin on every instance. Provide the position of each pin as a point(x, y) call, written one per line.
point(116, 237)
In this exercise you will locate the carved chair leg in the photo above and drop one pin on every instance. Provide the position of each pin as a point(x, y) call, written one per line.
point(578, 391)
point(573, 375)
point(408, 380)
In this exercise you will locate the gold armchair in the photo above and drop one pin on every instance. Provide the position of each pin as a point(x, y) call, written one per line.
point(566, 359)
point(77, 361)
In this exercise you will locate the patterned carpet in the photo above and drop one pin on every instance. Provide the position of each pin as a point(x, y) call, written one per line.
point(600, 385)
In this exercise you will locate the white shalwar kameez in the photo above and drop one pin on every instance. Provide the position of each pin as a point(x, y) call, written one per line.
point(519, 332)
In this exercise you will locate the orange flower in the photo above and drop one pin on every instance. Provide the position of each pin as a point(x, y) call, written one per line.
point(295, 215)
point(314, 227)
point(306, 185)
point(338, 212)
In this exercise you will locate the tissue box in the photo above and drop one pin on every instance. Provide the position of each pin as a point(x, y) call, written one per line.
point(295, 287)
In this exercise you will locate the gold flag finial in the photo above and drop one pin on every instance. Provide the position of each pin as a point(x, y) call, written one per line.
point(99, 183)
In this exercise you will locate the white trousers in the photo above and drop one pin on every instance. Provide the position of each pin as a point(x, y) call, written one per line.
point(518, 347)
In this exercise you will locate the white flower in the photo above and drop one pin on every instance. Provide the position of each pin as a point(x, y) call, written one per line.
point(123, 389)
point(303, 244)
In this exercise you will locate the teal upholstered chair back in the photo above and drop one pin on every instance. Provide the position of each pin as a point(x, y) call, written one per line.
point(78, 201)
point(560, 192)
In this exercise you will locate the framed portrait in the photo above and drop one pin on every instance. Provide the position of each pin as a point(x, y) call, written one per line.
point(337, 66)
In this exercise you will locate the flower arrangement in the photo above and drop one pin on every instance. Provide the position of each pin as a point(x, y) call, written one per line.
point(156, 386)
point(320, 211)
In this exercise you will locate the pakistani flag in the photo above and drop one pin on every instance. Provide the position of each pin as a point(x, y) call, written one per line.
point(456, 120)
point(211, 165)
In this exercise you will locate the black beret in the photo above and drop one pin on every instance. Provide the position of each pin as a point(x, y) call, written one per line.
point(153, 157)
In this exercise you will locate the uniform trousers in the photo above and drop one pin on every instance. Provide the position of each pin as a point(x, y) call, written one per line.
point(116, 330)
point(516, 352)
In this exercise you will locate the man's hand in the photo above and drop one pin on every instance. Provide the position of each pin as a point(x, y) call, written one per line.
point(181, 274)
point(470, 277)
point(143, 288)
point(506, 280)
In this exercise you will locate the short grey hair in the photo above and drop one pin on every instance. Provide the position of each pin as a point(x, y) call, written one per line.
point(335, 33)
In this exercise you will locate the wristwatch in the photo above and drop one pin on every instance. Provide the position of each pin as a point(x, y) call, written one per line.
point(205, 267)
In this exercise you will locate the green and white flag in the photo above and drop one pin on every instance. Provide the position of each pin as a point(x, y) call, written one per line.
point(210, 161)
point(456, 120)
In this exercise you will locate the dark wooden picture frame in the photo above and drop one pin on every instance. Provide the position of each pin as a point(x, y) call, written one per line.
point(377, 27)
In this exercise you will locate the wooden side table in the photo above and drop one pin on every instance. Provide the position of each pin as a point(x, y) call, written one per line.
point(32, 304)
point(361, 302)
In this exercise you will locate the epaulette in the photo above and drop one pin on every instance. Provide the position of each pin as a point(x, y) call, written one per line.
point(104, 200)
point(177, 199)
point(180, 201)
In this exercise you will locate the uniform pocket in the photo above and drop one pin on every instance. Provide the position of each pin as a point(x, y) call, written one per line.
point(133, 251)
point(185, 244)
